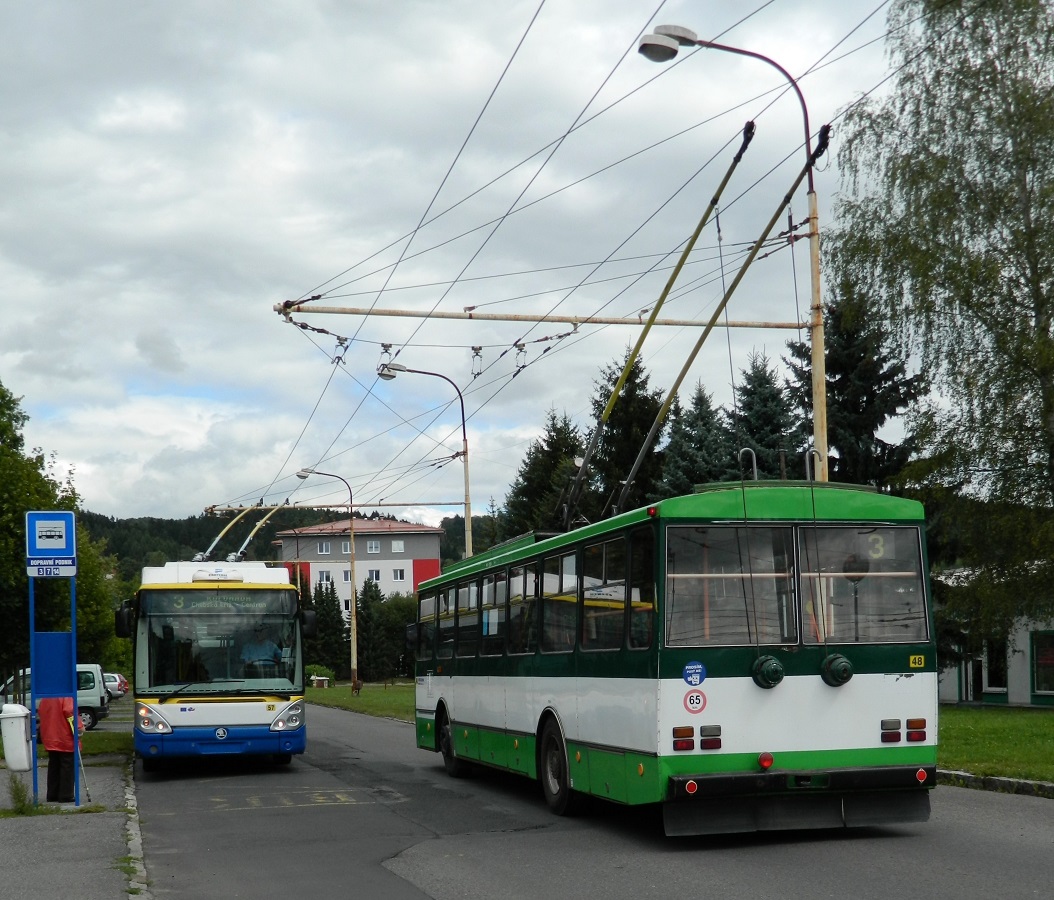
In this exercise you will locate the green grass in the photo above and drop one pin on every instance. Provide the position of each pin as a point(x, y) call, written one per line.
point(391, 701)
point(1011, 743)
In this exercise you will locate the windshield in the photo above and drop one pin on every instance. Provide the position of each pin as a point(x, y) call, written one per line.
point(812, 584)
point(221, 642)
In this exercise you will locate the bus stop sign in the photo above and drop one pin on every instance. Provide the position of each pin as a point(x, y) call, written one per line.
point(51, 544)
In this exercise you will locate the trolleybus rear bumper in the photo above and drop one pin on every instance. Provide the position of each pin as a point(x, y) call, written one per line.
point(775, 801)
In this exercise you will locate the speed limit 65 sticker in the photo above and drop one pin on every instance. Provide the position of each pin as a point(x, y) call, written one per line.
point(695, 701)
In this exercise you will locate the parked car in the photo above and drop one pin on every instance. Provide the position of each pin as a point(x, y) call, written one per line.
point(93, 700)
point(113, 685)
point(124, 682)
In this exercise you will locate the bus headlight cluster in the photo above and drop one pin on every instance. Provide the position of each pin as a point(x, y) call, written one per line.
point(290, 719)
point(149, 721)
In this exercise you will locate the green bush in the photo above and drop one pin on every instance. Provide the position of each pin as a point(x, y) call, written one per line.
point(321, 672)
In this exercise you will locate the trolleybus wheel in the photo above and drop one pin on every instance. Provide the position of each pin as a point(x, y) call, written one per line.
point(556, 784)
point(455, 767)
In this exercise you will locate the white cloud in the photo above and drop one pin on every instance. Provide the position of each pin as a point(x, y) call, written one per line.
point(168, 179)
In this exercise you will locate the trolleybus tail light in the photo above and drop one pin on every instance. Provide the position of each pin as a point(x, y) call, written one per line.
point(709, 737)
point(765, 760)
point(653, 511)
point(916, 730)
point(890, 731)
point(683, 737)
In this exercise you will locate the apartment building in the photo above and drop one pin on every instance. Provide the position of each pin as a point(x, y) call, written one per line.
point(396, 555)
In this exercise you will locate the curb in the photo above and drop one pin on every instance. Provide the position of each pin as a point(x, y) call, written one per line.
point(1043, 789)
point(137, 881)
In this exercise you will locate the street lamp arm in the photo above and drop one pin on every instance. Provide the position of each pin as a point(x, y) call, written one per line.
point(388, 371)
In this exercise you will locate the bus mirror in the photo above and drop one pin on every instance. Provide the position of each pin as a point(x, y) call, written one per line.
point(122, 620)
point(308, 623)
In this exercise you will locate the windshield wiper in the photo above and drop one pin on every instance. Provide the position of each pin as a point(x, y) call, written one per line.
point(190, 684)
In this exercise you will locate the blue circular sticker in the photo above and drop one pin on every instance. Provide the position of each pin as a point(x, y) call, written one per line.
point(694, 674)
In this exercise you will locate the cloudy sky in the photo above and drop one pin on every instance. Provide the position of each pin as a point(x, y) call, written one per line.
point(172, 172)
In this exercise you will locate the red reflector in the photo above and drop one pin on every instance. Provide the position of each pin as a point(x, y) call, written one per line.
point(765, 760)
point(653, 511)
point(920, 776)
point(710, 744)
point(690, 787)
point(890, 737)
point(684, 744)
point(916, 736)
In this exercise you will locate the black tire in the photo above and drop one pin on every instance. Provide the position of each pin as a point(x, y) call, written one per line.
point(88, 718)
point(455, 768)
point(150, 764)
point(282, 759)
point(553, 772)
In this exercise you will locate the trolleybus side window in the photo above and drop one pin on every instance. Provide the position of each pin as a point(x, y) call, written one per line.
point(604, 595)
point(426, 628)
point(729, 585)
point(447, 622)
point(467, 618)
point(492, 604)
point(523, 608)
point(866, 580)
point(642, 588)
point(559, 604)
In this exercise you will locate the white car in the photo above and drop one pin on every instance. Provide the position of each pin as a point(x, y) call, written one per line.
point(113, 685)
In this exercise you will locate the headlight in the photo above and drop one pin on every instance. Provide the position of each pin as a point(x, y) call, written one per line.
point(290, 719)
point(149, 721)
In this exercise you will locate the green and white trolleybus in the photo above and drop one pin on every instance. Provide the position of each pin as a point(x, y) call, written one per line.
point(753, 656)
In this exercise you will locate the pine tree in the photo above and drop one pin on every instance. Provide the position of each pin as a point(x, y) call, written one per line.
point(623, 436)
point(700, 448)
point(371, 638)
point(762, 420)
point(534, 500)
point(330, 647)
point(866, 388)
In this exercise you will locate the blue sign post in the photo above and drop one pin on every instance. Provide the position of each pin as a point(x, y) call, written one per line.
point(51, 552)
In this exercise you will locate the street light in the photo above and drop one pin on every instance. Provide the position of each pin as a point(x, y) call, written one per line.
point(662, 46)
point(388, 371)
point(353, 630)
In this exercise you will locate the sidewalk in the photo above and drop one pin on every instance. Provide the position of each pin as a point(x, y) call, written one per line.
point(94, 851)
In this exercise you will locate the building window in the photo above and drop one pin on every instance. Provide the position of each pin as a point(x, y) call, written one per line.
point(347, 576)
point(995, 665)
point(373, 546)
point(374, 575)
point(399, 574)
point(323, 548)
point(397, 546)
point(345, 547)
point(324, 576)
point(1043, 661)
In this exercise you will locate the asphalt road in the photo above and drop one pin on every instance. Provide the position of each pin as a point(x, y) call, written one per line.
point(364, 813)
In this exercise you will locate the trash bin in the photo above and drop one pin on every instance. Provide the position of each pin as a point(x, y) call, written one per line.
point(14, 727)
